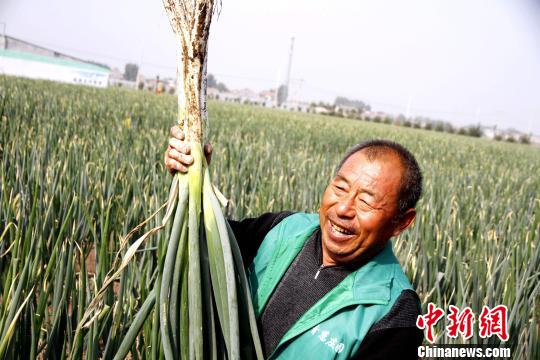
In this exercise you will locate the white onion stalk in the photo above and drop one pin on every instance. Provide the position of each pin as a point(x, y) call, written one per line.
point(201, 273)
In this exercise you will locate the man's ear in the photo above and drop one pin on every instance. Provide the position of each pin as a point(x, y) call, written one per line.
point(404, 221)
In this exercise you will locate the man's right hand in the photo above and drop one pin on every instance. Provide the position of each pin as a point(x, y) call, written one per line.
point(177, 155)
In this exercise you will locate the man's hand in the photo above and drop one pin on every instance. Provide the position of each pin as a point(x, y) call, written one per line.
point(177, 155)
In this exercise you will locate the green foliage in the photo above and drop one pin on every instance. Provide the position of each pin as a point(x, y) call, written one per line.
point(131, 71)
point(212, 82)
point(439, 126)
point(355, 104)
point(525, 139)
point(282, 94)
point(475, 131)
point(76, 176)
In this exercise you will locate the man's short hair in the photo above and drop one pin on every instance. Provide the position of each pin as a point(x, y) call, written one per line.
point(411, 181)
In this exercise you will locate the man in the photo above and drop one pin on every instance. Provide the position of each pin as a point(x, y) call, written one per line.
point(328, 285)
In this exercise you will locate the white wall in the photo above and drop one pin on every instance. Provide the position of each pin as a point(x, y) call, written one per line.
point(54, 72)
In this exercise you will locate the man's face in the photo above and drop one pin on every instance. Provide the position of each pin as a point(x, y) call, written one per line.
point(359, 207)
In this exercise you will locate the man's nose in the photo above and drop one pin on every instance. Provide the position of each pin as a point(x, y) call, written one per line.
point(345, 206)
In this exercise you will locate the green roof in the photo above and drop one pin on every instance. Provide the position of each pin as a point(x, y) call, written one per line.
point(51, 60)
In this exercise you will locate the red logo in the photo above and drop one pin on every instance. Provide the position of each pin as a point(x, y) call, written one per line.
point(494, 322)
point(460, 322)
point(490, 322)
point(429, 320)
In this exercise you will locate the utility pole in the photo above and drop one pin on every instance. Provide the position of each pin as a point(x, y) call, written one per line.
point(299, 91)
point(278, 81)
point(476, 115)
point(141, 53)
point(289, 69)
point(3, 40)
point(408, 111)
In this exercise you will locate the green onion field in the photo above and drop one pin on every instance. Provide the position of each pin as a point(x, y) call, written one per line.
point(80, 167)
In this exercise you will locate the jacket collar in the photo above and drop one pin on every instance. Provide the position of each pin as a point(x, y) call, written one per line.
point(368, 285)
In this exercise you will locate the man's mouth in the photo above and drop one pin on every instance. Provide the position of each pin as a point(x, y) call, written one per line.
point(338, 232)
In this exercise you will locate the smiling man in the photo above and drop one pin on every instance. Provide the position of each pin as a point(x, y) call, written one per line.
point(327, 285)
point(360, 209)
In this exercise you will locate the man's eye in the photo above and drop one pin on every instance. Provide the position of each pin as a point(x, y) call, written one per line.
point(339, 187)
point(363, 202)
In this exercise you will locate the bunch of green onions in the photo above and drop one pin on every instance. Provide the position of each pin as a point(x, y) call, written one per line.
point(201, 294)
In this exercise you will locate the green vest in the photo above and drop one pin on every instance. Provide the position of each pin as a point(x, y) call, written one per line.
point(335, 326)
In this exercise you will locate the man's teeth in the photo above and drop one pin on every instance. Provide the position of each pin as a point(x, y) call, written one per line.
point(340, 230)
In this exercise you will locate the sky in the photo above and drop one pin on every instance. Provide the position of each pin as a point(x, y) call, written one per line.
point(464, 61)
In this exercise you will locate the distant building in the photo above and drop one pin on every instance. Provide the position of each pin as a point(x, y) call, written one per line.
point(490, 132)
point(269, 97)
point(116, 78)
point(213, 93)
point(116, 74)
point(21, 58)
point(372, 115)
point(242, 96)
point(293, 105)
point(321, 110)
point(346, 109)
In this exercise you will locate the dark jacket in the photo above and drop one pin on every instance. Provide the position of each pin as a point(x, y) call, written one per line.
point(392, 335)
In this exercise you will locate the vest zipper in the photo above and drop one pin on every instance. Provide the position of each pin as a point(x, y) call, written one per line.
point(318, 271)
point(322, 267)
